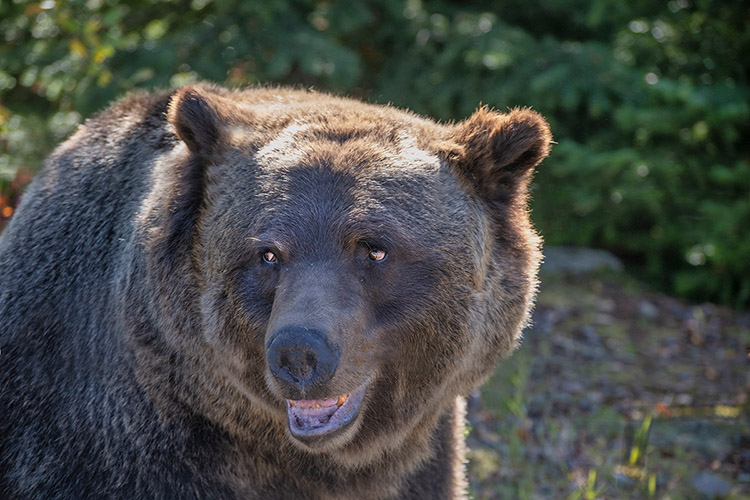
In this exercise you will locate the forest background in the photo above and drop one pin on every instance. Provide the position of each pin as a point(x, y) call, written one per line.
point(649, 101)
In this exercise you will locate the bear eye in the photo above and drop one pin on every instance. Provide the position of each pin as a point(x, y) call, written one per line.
point(377, 255)
point(269, 257)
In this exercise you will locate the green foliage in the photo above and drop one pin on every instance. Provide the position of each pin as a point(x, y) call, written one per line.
point(648, 101)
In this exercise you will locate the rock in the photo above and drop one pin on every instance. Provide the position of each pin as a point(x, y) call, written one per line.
point(711, 485)
point(647, 310)
point(576, 260)
point(623, 481)
point(684, 399)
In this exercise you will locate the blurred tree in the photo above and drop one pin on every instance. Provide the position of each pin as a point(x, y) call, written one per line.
point(648, 100)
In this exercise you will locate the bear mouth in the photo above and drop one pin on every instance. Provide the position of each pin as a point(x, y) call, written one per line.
point(313, 421)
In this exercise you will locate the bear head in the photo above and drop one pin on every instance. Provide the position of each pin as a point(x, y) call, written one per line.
point(343, 270)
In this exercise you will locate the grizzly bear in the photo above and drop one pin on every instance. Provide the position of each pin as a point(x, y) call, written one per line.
point(261, 294)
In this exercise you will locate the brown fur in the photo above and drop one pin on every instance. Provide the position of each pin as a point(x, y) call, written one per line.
point(168, 309)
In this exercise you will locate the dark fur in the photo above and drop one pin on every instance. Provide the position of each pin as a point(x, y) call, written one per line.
point(135, 306)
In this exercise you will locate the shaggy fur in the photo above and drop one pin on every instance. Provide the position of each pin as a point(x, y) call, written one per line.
point(137, 309)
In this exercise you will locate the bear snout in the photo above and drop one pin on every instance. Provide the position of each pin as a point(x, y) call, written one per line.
point(301, 359)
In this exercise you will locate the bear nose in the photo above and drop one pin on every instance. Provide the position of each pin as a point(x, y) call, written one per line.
point(302, 357)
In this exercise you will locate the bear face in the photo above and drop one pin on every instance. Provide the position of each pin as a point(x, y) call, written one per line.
point(331, 270)
point(343, 269)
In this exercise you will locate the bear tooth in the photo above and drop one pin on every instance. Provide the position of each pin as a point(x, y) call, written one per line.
point(291, 402)
point(342, 399)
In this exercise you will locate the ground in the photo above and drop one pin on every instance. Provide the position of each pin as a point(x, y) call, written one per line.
point(616, 393)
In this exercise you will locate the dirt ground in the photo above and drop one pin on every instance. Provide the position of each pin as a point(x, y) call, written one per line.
point(616, 393)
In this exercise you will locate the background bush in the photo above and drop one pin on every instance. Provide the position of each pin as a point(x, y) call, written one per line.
point(648, 101)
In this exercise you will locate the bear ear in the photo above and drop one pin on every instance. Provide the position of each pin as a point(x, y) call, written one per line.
point(196, 119)
point(497, 152)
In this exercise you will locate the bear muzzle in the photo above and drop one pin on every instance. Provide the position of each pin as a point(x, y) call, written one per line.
point(303, 362)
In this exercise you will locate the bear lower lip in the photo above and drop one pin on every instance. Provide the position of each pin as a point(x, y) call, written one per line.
point(312, 421)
